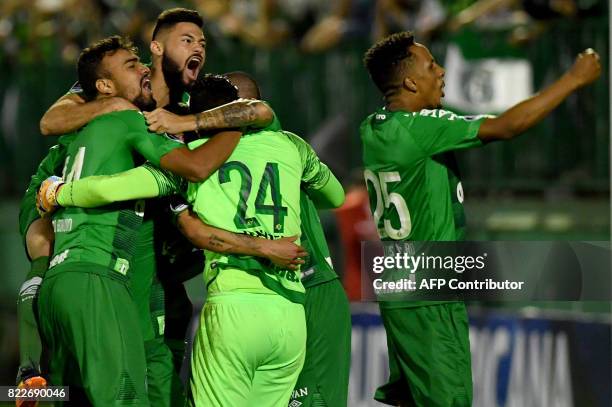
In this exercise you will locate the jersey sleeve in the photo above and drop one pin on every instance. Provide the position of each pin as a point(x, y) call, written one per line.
point(168, 183)
point(437, 131)
point(151, 146)
point(141, 182)
point(315, 174)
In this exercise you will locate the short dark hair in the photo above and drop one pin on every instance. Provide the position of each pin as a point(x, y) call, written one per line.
point(169, 18)
point(88, 64)
point(210, 91)
point(386, 59)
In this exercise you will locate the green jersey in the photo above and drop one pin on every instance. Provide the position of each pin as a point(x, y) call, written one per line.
point(414, 188)
point(257, 192)
point(412, 180)
point(106, 236)
point(318, 268)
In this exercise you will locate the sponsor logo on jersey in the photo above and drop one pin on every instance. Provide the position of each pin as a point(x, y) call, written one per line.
point(297, 393)
point(29, 289)
point(307, 273)
point(122, 266)
point(439, 113)
point(62, 225)
point(161, 324)
point(295, 403)
point(287, 275)
point(59, 258)
point(139, 208)
point(262, 233)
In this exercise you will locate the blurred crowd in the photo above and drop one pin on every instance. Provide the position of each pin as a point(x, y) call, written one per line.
point(40, 31)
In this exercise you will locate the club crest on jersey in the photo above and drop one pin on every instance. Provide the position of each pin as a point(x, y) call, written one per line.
point(460, 196)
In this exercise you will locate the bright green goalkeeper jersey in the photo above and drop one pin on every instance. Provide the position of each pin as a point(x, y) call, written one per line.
point(318, 268)
point(109, 144)
point(414, 188)
point(257, 192)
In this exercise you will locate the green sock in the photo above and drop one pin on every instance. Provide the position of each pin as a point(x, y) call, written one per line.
point(30, 346)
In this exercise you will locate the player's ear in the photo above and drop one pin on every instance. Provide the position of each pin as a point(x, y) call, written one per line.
point(409, 84)
point(156, 48)
point(105, 86)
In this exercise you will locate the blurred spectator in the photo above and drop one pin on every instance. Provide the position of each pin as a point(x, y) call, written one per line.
point(532, 16)
point(422, 17)
point(315, 25)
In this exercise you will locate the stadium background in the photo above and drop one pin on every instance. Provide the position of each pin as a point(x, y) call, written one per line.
point(551, 184)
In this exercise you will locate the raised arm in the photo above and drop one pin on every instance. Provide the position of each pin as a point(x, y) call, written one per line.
point(70, 112)
point(529, 112)
point(282, 252)
point(236, 114)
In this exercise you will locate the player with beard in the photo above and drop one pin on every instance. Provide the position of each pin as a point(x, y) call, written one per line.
point(87, 316)
point(178, 53)
point(270, 380)
point(177, 56)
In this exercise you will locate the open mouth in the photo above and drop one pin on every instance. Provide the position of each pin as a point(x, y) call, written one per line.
point(145, 83)
point(193, 66)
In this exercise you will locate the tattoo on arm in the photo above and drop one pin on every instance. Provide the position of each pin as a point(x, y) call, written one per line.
point(236, 243)
point(237, 114)
point(217, 242)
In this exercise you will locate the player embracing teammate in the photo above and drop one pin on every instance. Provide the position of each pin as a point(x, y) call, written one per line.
point(124, 258)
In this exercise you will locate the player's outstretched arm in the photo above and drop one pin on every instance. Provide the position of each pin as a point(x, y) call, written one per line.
point(282, 252)
point(526, 114)
point(198, 164)
point(70, 112)
point(236, 114)
point(141, 182)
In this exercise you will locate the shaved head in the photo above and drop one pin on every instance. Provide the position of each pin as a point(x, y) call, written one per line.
point(247, 86)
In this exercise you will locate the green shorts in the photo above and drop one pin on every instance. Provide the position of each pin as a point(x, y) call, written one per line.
point(89, 323)
point(324, 379)
point(163, 382)
point(248, 351)
point(179, 311)
point(429, 356)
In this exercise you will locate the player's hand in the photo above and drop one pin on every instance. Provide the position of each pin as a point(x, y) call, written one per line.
point(284, 252)
point(46, 197)
point(32, 382)
point(586, 68)
point(163, 121)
